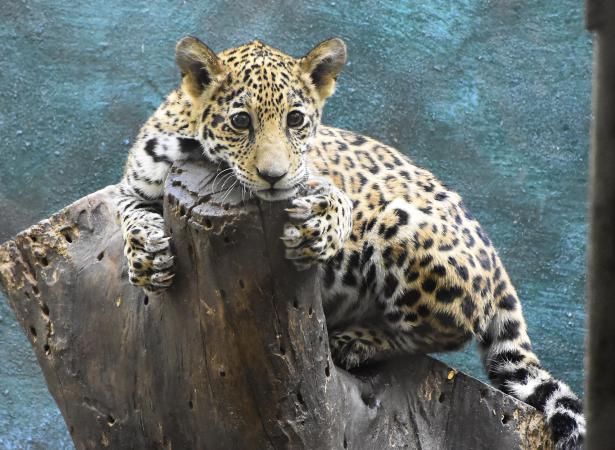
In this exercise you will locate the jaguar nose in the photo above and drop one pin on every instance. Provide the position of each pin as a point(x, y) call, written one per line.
point(270, 177)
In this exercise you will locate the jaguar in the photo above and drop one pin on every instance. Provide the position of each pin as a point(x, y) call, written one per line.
point(405, 267)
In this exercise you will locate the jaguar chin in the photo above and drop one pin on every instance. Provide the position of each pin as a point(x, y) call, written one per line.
point(276, 195)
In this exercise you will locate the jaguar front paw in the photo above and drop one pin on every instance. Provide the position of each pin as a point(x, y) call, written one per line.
point(150, 261)
point(319, 224)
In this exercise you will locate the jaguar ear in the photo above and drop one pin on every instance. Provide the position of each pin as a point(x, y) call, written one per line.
point(324, 63)
point(199, 66)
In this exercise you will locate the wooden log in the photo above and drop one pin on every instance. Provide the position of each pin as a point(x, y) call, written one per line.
point(235, 355)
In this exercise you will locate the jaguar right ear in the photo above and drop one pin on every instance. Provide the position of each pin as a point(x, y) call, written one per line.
point(324, 63)
point(200, 67)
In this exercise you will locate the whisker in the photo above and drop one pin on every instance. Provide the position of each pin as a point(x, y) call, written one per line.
point(217, 175)
point(226, 179)
point(229, 191)
point(223, 179)
point(208, 178)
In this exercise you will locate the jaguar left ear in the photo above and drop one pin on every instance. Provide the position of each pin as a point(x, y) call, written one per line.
point(324, 63)
point(199, 66)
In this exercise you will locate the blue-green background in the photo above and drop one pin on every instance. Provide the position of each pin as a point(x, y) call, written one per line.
point(492, 95)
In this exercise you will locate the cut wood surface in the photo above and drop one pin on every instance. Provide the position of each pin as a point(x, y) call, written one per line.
point(235, 355)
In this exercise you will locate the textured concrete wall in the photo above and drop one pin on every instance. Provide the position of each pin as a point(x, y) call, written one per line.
point(491, 95)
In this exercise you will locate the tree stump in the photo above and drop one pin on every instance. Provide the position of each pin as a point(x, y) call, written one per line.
point(235, 355)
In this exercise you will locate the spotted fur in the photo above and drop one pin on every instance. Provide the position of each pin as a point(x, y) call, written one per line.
point(405, 267)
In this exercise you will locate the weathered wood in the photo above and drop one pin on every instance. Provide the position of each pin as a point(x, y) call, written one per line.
point(235, 355)
point(600, 363)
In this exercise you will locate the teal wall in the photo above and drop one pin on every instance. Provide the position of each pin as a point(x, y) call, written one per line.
point(492, 95)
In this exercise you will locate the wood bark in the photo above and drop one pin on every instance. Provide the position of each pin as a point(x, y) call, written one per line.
point(235, 355)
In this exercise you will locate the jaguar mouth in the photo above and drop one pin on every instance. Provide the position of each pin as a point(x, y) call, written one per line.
point(275, 195)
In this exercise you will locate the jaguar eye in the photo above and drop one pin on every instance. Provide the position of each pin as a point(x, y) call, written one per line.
point(241, 120)
point(294, 119)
